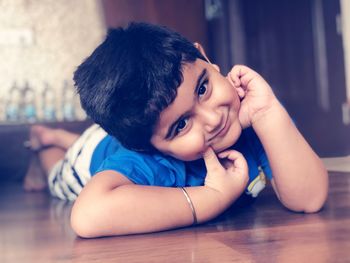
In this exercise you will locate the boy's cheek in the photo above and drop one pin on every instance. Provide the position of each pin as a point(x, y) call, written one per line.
point(187, 157)
point(189, 151)
point(192, 155)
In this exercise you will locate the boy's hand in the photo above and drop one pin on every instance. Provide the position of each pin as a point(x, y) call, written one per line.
point(256, 94)
point(229, 175)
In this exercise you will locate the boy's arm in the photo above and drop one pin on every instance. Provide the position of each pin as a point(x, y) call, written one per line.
point(110, 204)
point(299, 177)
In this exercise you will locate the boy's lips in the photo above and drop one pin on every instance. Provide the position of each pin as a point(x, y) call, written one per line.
point(223, 130)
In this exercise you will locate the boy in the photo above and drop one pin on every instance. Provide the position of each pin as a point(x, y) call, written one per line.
point(169, 107)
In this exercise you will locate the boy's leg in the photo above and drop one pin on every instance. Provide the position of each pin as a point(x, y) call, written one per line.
point(34, 180)
point(39, 168)
point(43, 161)
point(49, 157)
point(41, 136)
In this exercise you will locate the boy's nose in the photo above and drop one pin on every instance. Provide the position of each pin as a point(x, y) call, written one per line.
point(211, 119)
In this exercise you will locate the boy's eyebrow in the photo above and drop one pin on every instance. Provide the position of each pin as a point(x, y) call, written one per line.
point(172, 126)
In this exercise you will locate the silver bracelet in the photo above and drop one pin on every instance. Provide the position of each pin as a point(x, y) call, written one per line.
point(191, 205)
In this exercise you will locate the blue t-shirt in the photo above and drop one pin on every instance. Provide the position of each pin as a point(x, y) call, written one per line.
point(161, 170)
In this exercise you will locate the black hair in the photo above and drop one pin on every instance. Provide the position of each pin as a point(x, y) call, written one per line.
point(131, 77)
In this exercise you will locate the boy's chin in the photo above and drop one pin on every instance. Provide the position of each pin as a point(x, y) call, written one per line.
point(224, 147)
point(230, 139)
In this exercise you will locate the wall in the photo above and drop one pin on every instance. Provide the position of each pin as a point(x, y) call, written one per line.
point(301, 56)
point(345, 16)
point(184, 16)
point(44, 41)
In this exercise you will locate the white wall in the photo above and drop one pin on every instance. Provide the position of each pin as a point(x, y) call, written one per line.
point(45, 40)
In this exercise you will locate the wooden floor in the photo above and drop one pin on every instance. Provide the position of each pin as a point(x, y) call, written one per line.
point(35, 228)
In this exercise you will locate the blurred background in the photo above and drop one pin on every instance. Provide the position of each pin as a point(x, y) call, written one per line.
point(301, 47)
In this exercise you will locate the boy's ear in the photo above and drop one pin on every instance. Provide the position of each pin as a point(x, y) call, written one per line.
point(201, 50)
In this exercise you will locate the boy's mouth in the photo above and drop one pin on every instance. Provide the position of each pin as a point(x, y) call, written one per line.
point(223, 130)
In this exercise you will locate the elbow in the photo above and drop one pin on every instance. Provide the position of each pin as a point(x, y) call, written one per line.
point(318, 199)
point(79, 228)
point(92, 220)
point(81, 222)
point(314, 206)
point(312, 201)
point(316, 203)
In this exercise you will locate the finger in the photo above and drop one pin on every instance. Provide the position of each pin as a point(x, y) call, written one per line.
point(241, 70)
point(230, 154)
point(211, 160)
point(234, 77)
point(236, 157)
point(240, 92)
point(230, 80)
point(238, 71)
point(245, 75)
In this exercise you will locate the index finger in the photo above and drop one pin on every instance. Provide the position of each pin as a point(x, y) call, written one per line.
point(211, 160)
point(236, 157)
point(234, 76)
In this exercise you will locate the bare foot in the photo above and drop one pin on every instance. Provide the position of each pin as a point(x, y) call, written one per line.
point(35, 179)
point(41, 136)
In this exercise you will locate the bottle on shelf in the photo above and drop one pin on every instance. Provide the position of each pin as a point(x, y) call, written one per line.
point(13, 104)
point(2, 109)
point(48, 109)
point(29, 113)
point(68, 102)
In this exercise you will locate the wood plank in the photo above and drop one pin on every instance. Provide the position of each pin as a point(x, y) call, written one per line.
point(35, 228)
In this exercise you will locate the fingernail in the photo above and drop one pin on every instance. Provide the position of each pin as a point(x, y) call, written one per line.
point(221, 155)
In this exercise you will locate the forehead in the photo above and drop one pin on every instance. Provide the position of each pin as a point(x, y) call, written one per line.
point(184, 97)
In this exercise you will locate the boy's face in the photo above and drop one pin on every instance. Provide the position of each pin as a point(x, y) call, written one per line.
point(204, 114)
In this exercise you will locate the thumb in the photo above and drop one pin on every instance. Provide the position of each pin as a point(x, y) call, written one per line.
point(211, 160)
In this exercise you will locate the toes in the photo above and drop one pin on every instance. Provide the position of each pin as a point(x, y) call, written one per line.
point(41, 136)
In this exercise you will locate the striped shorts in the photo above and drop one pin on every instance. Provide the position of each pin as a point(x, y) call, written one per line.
point(69, 175)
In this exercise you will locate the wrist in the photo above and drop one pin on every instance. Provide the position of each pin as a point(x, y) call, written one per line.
point(227, 192)
point(267, 113)
point(207, 202)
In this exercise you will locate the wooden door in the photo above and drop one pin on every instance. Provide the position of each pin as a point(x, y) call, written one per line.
point(296, 46)
point(185, 16)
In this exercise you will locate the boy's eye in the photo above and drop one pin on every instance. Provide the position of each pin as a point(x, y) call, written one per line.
point(181, 125)
point(202, 89)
